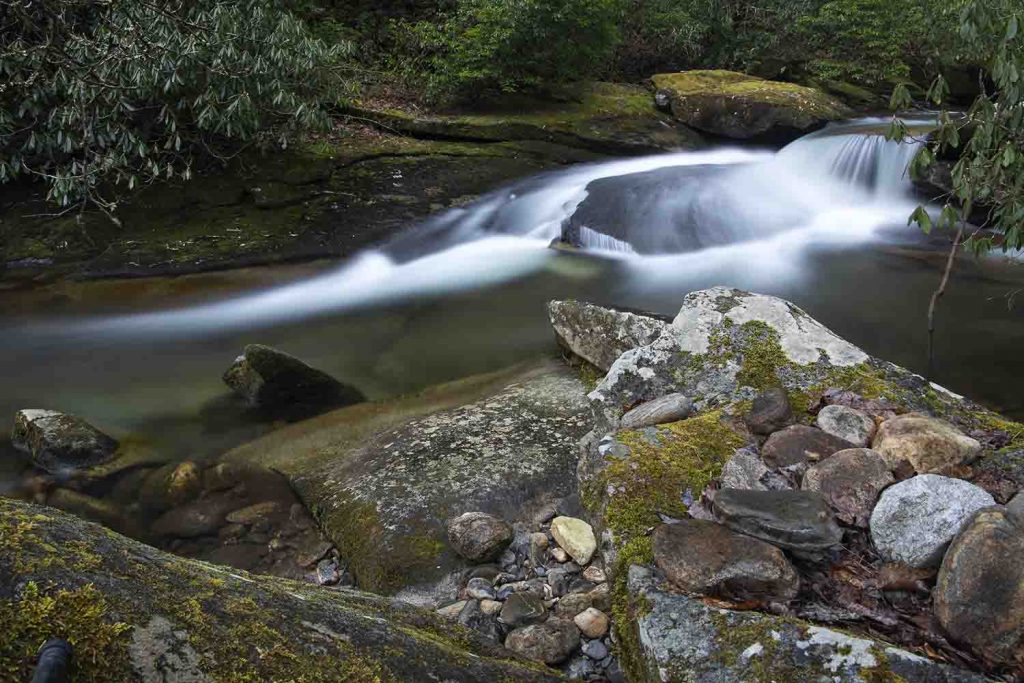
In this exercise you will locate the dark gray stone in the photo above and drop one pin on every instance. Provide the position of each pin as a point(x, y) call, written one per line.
point(522, 608)
point(551, 642)
point(770, 412)
point(794, 520)
point(60, 443)
point(472, 617)
point(478, 536)
point(851, 482)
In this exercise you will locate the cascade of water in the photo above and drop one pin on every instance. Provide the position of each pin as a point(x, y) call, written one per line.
point(867, 161)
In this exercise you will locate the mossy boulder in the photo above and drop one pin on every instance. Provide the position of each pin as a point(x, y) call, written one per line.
point(736, 105)
point(684, 639)
point(383, 478)
point(134, 613)
point(611, 118)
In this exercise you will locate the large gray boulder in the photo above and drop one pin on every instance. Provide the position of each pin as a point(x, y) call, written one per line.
point(385, 478)
point(681, 638)
point(60, 443)
point(600, 335)
point(135, 613)
point(915, 520)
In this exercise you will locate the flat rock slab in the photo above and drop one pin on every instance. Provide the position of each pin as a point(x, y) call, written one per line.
point(737, 105)
point(979, 597)
point(139, 614)
point(60, 443)
point(801, 444)
point(704, 558)
point(794, 520)
point(681, 638)
point(384, 478)
point(915, 520)
point(600, 335)
point(851, 482)
point(928, 444)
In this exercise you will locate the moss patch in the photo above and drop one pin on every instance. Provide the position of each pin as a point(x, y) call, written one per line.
point(663, 464)
point(749, 89)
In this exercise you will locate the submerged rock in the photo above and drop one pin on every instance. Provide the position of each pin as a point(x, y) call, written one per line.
point(138, 614)
point(478, 536)
point(979, 597)
point(915, 520)
point(928, 444)
point(272, 379)
point(386, 477)
point(847, 423)
point(60, 443)
point(600, 335)
point(799, 444)
point(851, 482)
point(794, 520)
point(704, 558)
point(737, 105)
point(681, 638)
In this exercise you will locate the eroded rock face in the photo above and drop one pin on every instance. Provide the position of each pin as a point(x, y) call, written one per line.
point(979, 597)
point(915, 520)
point(600, 335)
point(928, 444)
point(60, 443)
point(795, 520)
point(800, 444)
point(385, 478)
point(478, 536)
point(704, 558)
point(847, 423)
point(851, 482)
point(681, 638)
point(737, 105)
point(193, 621)
point(276, 381)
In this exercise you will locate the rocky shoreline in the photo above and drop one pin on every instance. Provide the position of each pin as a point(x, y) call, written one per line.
point(737, 494)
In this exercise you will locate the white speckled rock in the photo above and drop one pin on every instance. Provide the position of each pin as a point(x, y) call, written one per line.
point(915, 520)
point(930, 445)
point(846, 423)
point(60, 443)
point(576, 537)
point(600, 335)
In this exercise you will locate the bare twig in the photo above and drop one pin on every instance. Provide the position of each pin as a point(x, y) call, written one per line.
point(938, 293)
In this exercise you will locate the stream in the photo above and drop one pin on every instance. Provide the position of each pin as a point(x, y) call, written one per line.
point(822, 222)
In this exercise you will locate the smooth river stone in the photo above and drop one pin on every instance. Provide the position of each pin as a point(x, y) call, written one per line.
point(478, 536)
point(847, 423)
point(704, 558)
point(928, 444)
point(800, 444)
point(851, 482)
point(60, 443)
point(575, 537)
point(770, 411)
point(671, 408)
point(793, 520)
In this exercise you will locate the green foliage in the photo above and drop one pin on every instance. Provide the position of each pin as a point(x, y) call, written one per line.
point(660, 36)
point(988, 139)
point(100, 96)
point(486, 46)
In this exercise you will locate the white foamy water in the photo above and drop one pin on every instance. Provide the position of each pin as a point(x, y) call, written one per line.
point(746, 215)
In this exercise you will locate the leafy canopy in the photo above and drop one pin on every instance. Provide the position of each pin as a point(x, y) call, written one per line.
point(987, 140)
point(101, 94)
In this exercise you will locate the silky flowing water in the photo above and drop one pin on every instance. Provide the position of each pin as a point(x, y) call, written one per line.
point(822, 222)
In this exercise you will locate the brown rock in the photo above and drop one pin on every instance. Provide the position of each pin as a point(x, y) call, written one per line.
point(979, 597)
point(928, 444)
point(198, 518)
point(551, 642)
point(704, 558)
point(800, 444)
point(593, 623)
point(851, 482)
point(478, 536)
point(770, 411)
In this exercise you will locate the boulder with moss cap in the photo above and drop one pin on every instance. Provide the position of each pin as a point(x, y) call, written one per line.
point(135, 613)
point(736, 105)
